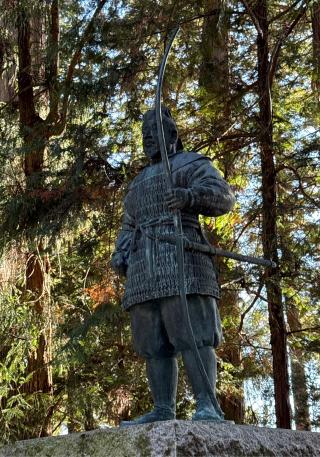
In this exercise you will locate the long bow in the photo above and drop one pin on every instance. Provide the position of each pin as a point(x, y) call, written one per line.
point(179, 237)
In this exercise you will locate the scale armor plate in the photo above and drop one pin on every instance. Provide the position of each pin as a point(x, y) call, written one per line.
point(152, 269)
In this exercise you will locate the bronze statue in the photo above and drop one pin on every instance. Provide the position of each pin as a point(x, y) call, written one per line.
point(147, 257)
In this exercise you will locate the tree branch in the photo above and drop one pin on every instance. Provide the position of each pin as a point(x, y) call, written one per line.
point(250, 344)
point(234, 281)
point(243, 315)
point(284, 12)
point(244, 228)
point(53, 61)
point(277, 48)
point(26, 102)
point(60, 126)
point(294, 171)
point(254, 18)
point(307, 329)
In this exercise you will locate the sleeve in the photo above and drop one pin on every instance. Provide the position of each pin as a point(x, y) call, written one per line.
point(209, 193)
point(120, 256)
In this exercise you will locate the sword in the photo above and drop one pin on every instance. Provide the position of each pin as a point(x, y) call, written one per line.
point(212, 250)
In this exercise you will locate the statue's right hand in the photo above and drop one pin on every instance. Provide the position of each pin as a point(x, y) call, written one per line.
point(177, 198)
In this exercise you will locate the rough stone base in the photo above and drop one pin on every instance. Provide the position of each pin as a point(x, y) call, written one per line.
point(172, 439)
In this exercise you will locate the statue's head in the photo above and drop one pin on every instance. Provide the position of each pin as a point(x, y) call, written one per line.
point(151, 145)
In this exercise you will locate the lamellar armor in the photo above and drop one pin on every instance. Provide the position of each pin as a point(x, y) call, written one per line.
point(141, 254)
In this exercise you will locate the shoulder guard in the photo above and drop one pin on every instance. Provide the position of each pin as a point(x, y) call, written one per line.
point(183, 159)
point(136, 180)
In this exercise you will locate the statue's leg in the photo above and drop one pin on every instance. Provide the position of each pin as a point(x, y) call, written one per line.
point(206, 326)
point(151, 342)
point(205, 410)
point(162, 376)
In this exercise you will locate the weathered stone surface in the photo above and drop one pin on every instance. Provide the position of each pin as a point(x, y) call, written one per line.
point(173, 439)
point(207, 439)
point(147, 440)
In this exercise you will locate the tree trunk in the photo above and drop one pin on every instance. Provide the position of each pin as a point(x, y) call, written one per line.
point(316, 49)
point(8, 66)
point(290, 262)
point(298, 375)
point(39, 360)
point(214, 69)
point(214, 79)
point(269, 228)
point(37, 265)
point(71, 407)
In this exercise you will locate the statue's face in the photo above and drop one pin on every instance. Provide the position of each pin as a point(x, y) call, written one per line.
point(151, 145)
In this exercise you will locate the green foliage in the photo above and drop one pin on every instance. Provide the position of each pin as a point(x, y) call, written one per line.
point(18, 334)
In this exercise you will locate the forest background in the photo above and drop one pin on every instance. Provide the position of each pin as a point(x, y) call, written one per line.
point(243, 82)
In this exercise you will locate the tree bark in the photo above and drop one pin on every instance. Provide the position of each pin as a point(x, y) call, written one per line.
point(214, 69)
point(8, 64)
point(30, 121)
point(269, 226)
point(291, 264)
point(316, 49)
point(39, 360)
point(52, 67)
point(298, 375)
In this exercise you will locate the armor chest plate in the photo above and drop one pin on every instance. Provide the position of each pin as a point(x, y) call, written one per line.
point(145, 200)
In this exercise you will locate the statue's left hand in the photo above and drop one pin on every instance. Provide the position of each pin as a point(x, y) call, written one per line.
point(177, 198)
point(118, 264)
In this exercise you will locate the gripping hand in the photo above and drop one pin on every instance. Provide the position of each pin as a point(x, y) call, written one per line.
point(177, 198)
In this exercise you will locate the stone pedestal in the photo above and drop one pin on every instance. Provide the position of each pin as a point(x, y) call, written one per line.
point(173, 439)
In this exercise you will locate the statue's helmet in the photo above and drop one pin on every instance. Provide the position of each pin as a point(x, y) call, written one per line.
point(151, 145)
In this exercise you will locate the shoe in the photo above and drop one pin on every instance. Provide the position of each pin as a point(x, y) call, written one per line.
point(207, 413)
point(157, 415)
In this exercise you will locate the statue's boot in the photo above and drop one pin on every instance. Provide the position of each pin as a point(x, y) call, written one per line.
point(205, 409)
point(162, 375)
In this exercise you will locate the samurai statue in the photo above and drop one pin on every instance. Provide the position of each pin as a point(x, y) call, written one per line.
point(148, 261)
